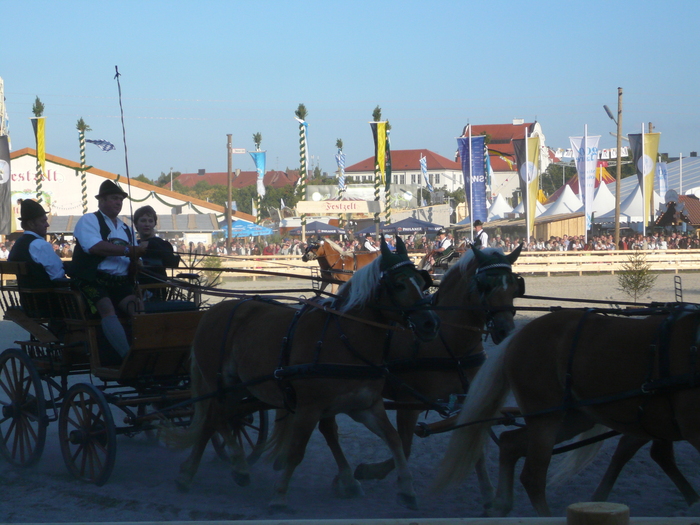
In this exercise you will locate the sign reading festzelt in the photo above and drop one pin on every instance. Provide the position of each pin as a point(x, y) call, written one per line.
point(324, 207)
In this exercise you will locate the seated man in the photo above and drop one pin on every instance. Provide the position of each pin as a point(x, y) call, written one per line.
point(443, 248)
point(101, 261)
point(45, 269)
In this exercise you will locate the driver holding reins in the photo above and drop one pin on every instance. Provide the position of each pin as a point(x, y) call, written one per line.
point(101, 260)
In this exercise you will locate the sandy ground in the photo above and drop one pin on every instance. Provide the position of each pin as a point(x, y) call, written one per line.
point(141, 487)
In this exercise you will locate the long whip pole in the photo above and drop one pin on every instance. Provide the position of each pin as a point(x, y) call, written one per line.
point(126, 151)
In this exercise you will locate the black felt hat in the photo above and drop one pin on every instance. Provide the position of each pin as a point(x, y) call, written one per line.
point(109, 188)
point(30, 210)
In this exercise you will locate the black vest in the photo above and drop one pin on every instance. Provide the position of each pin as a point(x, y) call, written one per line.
point(84, 264)
point(37, 276)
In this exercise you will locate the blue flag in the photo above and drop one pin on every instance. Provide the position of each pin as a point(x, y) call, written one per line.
point(102, 144)
point(474, 175)
point(259, 158)
point(424, 171)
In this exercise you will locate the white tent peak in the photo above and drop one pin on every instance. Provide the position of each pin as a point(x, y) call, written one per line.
point(499, 208)
point(567, 202)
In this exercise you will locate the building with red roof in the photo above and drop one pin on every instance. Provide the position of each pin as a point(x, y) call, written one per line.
point(275, 179)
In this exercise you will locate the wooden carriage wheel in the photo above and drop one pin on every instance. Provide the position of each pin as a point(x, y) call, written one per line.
point(251, 433)
point(23, 409)
point(87, 434)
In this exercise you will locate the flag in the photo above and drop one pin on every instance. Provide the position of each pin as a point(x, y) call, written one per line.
point(340, 161)
point(380, 140)
point(259, 159)
point(586, 157)
point(5, 200)
point(254, 210)
point(102, 144)
point(474, 175)
point(662, 176)
point(38, 123)
point(387, 163)
point(527, 157)
point(424, 170)
point(645, 148)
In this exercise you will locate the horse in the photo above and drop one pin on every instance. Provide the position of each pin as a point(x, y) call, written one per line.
point(477, 292)
point(571, 367)
point(315, 363)
point(337, 265)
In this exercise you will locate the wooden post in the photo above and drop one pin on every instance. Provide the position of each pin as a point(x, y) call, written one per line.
point(618, 169)
point(597, 513)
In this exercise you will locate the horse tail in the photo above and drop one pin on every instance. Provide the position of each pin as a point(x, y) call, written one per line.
point(487, 393)
point(577, 459)
point(278, 443)
point(177, 437)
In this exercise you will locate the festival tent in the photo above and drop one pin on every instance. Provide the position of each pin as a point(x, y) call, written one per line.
point(601, 175)
point(499, 208)
point(567, 202)
point(631, 209)
point(603, 202)
point(241, 228)
point(541, 208)
point(407, 225)
point(319, 228)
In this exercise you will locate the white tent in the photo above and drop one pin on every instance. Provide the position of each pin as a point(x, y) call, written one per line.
point(603, 202)
point(631, 209)
point(520, 208)
point(499, 208)
point(567, 202)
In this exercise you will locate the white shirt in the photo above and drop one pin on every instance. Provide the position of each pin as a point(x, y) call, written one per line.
point(4, 254)
point(87, 232)
point(445, 243)
point(484, 237)
point(370, 247)
point(43, 253)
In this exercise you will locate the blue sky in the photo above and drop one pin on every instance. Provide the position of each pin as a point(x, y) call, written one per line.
point(192, 72)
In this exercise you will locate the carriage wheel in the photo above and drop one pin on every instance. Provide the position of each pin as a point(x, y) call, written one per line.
point(23, 409)
point(87, 433)
point(251, 433)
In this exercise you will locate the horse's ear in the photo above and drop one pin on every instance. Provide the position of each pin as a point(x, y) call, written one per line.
point(400, 246)
point(385, 249)
point(513, 256)
point(480, 257)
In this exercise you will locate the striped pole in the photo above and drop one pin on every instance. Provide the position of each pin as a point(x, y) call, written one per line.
point(302, 166)
point(39, 181)
point(258, 217)
point(377, 192)
point(83, 169)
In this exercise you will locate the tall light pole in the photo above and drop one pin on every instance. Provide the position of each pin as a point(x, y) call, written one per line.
point(171, 179)
point(229, 149)
point(618, 168)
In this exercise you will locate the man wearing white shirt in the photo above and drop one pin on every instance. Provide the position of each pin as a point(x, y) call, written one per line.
point(101, 260)
point(481, 238)
point(369, 243)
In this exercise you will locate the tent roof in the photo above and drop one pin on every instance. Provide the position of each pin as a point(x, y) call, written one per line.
point(604, 200)
point(499, 208)
point(318, 228)
point(566, 203)
point(631, 209)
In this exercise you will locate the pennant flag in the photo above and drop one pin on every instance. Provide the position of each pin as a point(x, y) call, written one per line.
point(102, 144)
point(473, 170)
point(387, 162)
point(340, 161)
point(380, 139)
point(662, 176)
point(424, 171)
point(5, 200)
point(527, 157)
point(586, 157)
point(645, 148)
point(259, 159)
point(38, 123)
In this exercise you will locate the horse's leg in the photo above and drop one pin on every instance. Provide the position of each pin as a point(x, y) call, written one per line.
point(189, 467)
point(662, 453)
point(303, 425)
point(485, 486)
point(239, 463)
point(542, 436)
point(376, 420)
point(512, 446)
point(405, 425)
point(344, 484)
point(627, 447)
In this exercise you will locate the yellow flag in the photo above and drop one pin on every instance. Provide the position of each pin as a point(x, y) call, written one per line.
point(381, 149)
point(38, 124)
point(651, 152)
point(533, 178)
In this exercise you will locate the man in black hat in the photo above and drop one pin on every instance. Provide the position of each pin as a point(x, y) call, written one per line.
point(443, 247)
point(45, 267)
point(104, 250)
point(369, 243)
point(481, 238)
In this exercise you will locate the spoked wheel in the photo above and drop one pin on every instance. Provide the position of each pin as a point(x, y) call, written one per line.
point(87, 433)
point(23, 409)
point(251, 433)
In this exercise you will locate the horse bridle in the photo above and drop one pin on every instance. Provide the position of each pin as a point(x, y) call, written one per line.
point(484, 291)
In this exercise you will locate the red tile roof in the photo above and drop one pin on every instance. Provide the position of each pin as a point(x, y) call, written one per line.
point(408, 159)
point(276, 179)
point(692, 208)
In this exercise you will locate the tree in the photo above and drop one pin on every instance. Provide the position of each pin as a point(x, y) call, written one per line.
point(377, 114)
point(164, 179)
point(38, 107)
point(636, 278)
point(339, 144)
point(80, 126)
point(257, 139)
point(143, 178)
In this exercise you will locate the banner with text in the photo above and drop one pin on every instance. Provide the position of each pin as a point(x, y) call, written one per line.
point(586, 156)
point(472, 156)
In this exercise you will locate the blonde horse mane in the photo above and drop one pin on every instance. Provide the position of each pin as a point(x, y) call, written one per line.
point(339, 249)
point(362, 288)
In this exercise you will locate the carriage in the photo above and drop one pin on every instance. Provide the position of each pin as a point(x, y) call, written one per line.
point(66, 372)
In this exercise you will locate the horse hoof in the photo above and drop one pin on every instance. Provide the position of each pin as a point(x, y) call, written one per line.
point(360, 472)
point(241, 479)
point(408, 501)
point(347, 491)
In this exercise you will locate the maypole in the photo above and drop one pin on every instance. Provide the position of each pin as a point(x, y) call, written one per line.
point(38, 124)
point(379, 145)
point(82, 127)
point(387, 175)
point(301, 114)
point(340, 160)
point(257, 139)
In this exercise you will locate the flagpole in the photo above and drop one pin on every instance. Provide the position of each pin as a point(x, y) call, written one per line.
point(644, 202)
point(526, 200)
point(471, 195)
point(584, 195)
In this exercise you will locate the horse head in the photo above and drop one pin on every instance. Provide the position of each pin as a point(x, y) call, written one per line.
point(311, 251)
point(484, 283)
